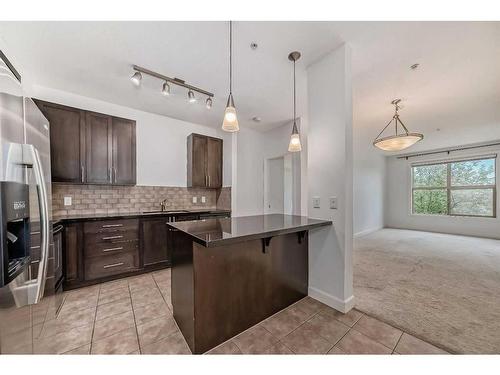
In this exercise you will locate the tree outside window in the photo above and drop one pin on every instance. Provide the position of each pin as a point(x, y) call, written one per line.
point(457, 188)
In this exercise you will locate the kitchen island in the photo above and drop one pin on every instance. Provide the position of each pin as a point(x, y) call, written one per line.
point(231, 273)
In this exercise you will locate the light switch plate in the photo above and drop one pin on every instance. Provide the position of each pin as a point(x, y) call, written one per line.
point(195, 199)
point(68, 201)
point(316, 202)
point(203, 199)
point(333, 203)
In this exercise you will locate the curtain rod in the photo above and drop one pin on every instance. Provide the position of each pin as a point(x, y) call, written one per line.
point(448, 151)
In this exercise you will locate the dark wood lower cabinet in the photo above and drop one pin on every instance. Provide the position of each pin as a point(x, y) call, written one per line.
point(96, 251)
point(154, 242)
point(112, 264)
point(72, 254)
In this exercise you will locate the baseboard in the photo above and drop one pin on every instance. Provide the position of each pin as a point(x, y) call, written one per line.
point(367, 231)
point(341, 305)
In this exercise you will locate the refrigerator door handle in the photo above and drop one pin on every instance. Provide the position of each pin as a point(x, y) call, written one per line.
point(31, 159)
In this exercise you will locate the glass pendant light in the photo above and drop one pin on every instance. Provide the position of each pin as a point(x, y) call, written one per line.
point(397, 142)
point(230, 122)
point(294, 145)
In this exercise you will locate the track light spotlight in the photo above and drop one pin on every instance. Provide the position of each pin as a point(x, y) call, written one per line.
point(166, 89)
point(208, 103)
point(191, 97)
point(136, 78)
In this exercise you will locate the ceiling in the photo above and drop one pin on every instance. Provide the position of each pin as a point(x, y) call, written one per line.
point(458, 73)
point(95, 59)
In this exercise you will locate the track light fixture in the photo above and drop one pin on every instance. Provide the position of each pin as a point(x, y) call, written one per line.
point(165, 89)
point(136, 78)
point(168, 81)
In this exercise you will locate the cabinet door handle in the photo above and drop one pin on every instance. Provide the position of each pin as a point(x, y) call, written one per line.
point(208, 180)
point(112, 225)
point(110, 173)
point(114, 174)
point(113, 265)
point(82, 172)
point(112, 237)
point(112, 249)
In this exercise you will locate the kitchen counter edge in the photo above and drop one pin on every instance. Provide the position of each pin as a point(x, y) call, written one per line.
point(254, 236)
point(133, 215)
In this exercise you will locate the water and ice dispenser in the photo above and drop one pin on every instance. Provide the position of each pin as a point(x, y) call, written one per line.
point(14, 230)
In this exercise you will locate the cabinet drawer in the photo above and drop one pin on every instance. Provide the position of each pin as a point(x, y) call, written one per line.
point(103, 266)
point(111, 237)
point(111, 226)
point(108, 248)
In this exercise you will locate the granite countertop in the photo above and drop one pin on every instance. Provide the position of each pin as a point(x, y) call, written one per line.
point(138, 214)
point(223, 231)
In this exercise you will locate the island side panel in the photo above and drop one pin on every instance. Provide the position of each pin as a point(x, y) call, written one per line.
point(182, 287)
point(239, 285)
point(290, 268)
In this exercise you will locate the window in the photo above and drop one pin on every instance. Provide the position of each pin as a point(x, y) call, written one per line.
point(456, 188)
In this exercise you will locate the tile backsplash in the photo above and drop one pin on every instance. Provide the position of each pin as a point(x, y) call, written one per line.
point(224, 198)
point(98, 199)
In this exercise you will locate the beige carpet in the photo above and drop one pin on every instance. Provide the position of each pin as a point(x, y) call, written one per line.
point(442, 288)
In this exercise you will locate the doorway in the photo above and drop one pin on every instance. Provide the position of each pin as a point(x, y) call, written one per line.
point(279, 196)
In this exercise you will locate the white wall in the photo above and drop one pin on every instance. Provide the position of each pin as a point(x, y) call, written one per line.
point(253, 148)
point(368, 184)
point(398, 203)
point(330, 175)
point(161, 140)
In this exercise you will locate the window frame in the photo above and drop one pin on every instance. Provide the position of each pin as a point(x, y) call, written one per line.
point(448, 188)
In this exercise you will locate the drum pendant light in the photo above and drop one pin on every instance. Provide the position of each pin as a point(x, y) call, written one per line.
point(230, 122)
point(397, 142)
point(294, 145)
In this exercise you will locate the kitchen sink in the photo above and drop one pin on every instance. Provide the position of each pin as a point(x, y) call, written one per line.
point(166, 212)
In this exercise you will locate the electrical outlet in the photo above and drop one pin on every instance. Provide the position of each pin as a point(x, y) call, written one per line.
point(68, 201)
point(203, 199)
point(195, 199)
point(333, 203)
point(316, 202)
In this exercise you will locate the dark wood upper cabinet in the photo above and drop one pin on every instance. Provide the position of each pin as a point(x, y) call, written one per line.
point(98, 148)
point(204, 161)
point(90, 148)
point(197, 161)
point(67, 142)
point(214, 162)
point(124, 151)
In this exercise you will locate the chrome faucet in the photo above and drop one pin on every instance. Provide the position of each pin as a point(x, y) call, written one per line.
point(163, 204)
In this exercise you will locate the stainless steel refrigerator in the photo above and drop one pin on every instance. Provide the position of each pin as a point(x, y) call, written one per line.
point(30, 280)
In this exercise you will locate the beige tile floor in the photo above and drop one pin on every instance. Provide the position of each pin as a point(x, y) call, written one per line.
point(134, 316)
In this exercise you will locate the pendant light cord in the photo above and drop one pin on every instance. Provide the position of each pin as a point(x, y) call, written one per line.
point(294, 98)
point(230, 57)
